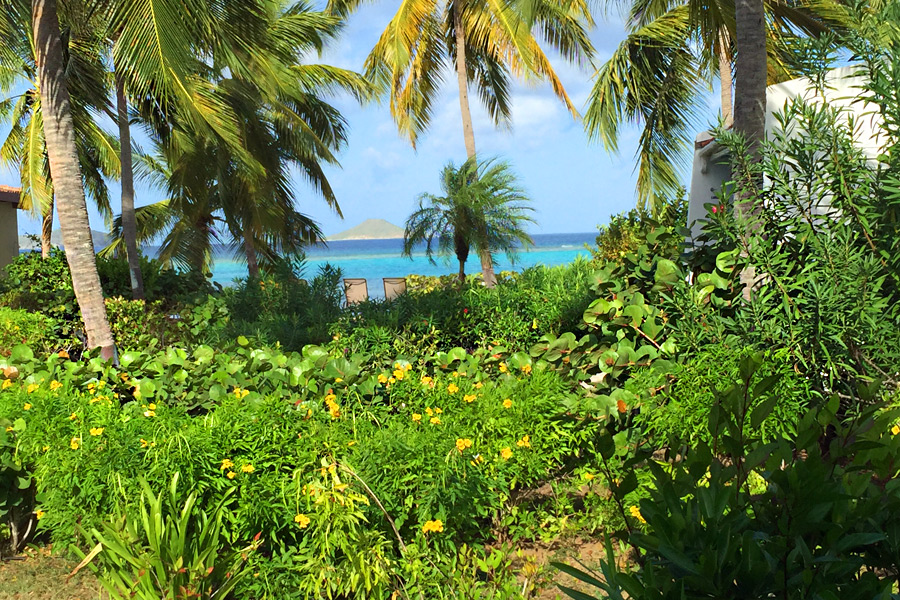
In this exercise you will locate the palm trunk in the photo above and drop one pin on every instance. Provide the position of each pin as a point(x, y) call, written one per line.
point(750, 105)
point(129, 220)
point(59, 133)
point(47, 231)
point(725, 78)
point(250, 251)
point(462, 254)
point(462, 79)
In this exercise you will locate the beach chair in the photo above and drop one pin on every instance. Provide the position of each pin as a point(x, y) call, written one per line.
point(393, 287)
point(356, 290)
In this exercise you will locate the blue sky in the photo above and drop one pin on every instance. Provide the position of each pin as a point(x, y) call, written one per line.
point(575, 185)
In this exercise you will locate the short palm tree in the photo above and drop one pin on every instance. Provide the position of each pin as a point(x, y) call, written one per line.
point(482, 207)
point(487, 43)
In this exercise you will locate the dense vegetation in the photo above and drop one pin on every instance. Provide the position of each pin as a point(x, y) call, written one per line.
point(723, 418)
point(269, 442)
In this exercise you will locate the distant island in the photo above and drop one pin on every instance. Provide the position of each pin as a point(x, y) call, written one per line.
point(101, 240)
point(370, 229)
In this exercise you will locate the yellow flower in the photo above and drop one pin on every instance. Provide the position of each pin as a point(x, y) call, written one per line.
point(435, 421)
point(6, 384)
point(455, 374)
point(463, 443)
point(507, 403)
point(435, 526)
point(428, 411)
point(32, 387)
point(526, 369)
point(8, 429)
point(479, 385)
point(534, 324)
point(63, 354)
point(248, 468)
point(27, 406)
point(45, 448)
point(382, 378)
point(506, 453)
point(407, 367)
point(587, 476)
point(55, 385)
point(39, 514)
point(391, 380)
point(399, 374)
point(477, 460)
point(152, 406)
point(149, 413)
point(452, 388)
point(895, 429)
point(503, 367)
point(239, 393)
point(96, 431)
point(226, 464)
point(75, 443)
point(417, 417)
point(302, 521)
point(73, 416)
point(330, 398)
point(438, 411)
point(338, 379)
point(636, 513)
point(426, 380)
point(230, 474)
point(524, 442)
point(144, 443)
point(469, 398)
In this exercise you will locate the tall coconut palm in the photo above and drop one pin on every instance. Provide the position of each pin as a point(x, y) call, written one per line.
point(660, 73)
point(24, 147)
point(487, 42)
point(285, 125)
point(482, 207)
point(62, 152)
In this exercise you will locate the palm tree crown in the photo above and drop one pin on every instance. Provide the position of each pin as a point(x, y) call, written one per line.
point(482, 207)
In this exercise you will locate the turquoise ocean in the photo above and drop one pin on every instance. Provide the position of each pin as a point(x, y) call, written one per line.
point(376, 259)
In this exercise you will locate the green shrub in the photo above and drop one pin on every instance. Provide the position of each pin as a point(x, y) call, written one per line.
point(678, 414)
point(806, 515)
point(39, 332)
point(340, 464)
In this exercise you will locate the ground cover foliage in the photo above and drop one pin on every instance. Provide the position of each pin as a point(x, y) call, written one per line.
point(720, 447)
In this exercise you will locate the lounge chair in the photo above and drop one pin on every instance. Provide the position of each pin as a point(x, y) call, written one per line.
point(356, 290)
point(393, 287)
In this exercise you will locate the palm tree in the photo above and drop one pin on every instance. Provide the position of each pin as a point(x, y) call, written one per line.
point(482, 206)
point(62, 152)
point(24, 147)
point(487, 42)
point(216, 193)
point(660, 73)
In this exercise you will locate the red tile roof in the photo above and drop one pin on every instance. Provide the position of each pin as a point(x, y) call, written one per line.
point(10, 194)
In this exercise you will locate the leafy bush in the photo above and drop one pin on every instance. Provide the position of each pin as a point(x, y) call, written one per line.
point(628, 231)
point(39, 332)
point(171, 550)
point(806, 515)
point(285, 308)
point(349, 472)
point(678, 413)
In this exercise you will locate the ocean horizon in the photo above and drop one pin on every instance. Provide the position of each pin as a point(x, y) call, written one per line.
point(374, 260)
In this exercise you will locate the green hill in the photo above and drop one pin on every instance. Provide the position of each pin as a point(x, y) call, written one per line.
point(370, 229)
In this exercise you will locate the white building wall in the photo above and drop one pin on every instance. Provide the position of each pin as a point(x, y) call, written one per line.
point(843, 90)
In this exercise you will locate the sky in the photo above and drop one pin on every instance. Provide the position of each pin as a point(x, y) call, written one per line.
point(575, 185)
